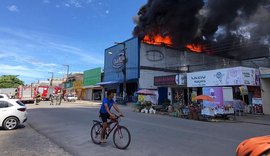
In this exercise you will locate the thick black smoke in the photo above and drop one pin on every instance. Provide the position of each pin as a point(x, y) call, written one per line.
point(175, 18)
point(219, 21)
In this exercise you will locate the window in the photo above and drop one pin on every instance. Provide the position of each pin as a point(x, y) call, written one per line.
point(1, 96)
point(4, 104)
point(20, 103)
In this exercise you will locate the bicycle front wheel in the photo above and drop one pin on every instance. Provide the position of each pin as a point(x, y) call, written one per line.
point(96, 133)
point(121, 137)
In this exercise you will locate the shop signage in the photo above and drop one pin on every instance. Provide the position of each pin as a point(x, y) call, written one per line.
point(224, 77)
point(92, 77)
point(178, 79)
point(264, 72)
point(219, 105)
point(154, 55)
point(118, 60)
point(257, 101)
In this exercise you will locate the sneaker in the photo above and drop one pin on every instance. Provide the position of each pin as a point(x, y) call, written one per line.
point(102, 141)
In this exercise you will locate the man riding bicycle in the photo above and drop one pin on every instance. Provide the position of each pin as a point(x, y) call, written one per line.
point(106, 114)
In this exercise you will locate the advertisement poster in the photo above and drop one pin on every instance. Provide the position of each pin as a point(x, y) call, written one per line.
point(219, 105)
point(257, 105)
point(211, 107)
point(224, 77)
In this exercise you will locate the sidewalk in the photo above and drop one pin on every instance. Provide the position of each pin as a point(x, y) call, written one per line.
point(254, 119)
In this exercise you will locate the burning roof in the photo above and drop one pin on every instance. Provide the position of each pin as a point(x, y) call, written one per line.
point(218, 27)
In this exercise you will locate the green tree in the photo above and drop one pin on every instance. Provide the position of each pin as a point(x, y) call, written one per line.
point(10, 81)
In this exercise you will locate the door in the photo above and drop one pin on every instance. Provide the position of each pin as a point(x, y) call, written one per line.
point(162, 94)
point(4, 110)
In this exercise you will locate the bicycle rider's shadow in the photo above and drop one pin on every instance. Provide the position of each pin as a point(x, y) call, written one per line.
point(104, 144)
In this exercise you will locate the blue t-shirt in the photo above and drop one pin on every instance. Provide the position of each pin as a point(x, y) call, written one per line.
point(108, 102)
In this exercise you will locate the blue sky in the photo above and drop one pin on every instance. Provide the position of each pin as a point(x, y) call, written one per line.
point(39, 36)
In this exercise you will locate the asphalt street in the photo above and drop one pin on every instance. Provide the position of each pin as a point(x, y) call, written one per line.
point(69, 125)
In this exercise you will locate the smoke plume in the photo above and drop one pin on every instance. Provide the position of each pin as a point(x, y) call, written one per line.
point(192, 21)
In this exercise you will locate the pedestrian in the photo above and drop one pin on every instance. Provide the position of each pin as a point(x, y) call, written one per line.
point(38, 98)
point(52, 98)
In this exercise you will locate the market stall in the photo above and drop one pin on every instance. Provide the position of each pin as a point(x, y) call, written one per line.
point(224, 86)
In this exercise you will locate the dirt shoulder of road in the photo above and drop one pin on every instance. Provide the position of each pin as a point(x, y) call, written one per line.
point(25, 141)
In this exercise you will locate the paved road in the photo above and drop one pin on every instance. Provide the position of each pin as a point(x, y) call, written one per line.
point(152, 135)
point(64, 130)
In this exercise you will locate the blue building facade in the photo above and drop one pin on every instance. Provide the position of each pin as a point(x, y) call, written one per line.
point(114, 63)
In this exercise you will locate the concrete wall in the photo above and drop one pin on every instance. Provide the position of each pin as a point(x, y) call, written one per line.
point(147, 78)
point(265, 86)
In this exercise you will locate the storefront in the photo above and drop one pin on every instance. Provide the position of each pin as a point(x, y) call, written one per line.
point(225, 85)
point(265, 89)
point(121, 61)
point(144, 62)
point(92, 91)
point(77, 86)
point(172, 87)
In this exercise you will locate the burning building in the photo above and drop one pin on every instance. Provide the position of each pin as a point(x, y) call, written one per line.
point(155, 66)
point(173, 38)
point(235, 30)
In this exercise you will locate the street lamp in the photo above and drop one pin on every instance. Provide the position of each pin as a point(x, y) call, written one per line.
point(51, 78)
point(124, 70)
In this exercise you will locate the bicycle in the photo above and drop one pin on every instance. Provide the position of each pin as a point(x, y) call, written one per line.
point(121, 135)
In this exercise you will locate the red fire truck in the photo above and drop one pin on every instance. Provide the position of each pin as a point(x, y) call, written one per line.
point(46, 91)
point(26, 93)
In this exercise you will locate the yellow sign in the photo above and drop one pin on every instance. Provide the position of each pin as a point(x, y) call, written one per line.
point(141, 98)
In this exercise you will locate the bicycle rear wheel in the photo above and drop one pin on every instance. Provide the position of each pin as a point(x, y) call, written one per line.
point(121, 137)
point(96, 133)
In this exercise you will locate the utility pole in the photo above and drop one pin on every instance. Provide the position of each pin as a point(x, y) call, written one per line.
point(67, 75)
point(51, 82)
point(67, 65)
point(124, 70)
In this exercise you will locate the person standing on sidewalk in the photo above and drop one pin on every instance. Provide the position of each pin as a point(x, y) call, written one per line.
point(38, 98)
point(106, 114)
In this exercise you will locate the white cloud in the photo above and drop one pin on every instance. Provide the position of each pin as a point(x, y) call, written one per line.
point(27, 41)
point(13, 8)
point(74, 3)
point(29, 60)
point(46, 1)
point(67, 5)
point(77, 51)
point(89, 1)
point(19, 70)
point(33, 54)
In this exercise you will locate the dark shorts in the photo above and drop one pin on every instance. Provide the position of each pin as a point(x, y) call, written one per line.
point(104, 116)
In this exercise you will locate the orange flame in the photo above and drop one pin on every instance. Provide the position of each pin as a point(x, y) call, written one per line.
point(158, 40)
point(195, 47)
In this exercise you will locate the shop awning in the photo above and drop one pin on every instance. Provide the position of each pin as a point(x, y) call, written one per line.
point(108, 83)
point(116, 82)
